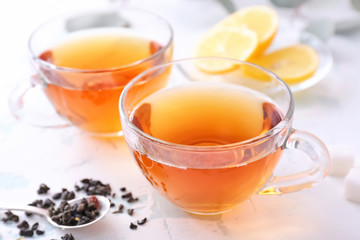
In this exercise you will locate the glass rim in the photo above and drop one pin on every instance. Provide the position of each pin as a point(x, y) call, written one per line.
point(36, 58)
point(285, 122)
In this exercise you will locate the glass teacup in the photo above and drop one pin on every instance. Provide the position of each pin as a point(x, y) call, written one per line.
point(209, 141)
point(83, 60)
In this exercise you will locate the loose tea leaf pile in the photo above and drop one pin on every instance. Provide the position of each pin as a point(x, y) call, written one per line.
point(94, 187)
point(77, 214)
point(64, 195)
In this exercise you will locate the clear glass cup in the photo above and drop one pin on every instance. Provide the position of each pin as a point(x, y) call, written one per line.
point(184, 135)
point(82, 62)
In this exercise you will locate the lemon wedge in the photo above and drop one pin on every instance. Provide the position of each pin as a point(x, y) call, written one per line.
point(263, 20)
point(236, 43)
point(293, 64)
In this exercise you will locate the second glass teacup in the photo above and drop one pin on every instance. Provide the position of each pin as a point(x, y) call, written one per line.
point(209, 141)
point(83, 60)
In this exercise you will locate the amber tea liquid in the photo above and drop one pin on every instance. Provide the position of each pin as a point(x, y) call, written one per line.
point(207, 115)
point(104, 63)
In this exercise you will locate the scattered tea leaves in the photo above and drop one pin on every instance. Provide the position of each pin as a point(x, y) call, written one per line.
point(120, 209)
point(131, 200)
point(133, 226)
point(142, 222)
point(35, 226)
point(47, 204)
point(43, 189)
point(57, 196)
point(130, 211)
point(40, 232)
point(26, 233)
point(68, 237)
point(95, 187)
point(67, 195)
point(127, 196)
point(10, 217)
point(23, 225)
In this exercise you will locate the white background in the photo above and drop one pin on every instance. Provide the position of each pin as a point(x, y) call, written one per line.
point(61, 157)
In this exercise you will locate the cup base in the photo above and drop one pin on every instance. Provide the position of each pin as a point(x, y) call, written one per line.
point(207, 213)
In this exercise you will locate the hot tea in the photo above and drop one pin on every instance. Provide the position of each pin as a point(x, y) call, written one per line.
point(108, 60)
point(83, 60)
point(206, 115)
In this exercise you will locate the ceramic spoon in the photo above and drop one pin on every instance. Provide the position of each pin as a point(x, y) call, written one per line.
point(104, 206)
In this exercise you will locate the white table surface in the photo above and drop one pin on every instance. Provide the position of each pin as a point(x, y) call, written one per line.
point(61, 157)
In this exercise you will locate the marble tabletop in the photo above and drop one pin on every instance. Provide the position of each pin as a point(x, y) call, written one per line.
point(62, 157)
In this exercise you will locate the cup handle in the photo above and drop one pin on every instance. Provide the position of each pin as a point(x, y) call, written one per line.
point(317, 152)
point(40, 113)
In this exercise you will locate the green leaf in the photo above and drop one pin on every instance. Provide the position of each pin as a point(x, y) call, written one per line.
point(228, 5)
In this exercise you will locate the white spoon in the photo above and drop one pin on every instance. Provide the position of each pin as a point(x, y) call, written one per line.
point(104, 206)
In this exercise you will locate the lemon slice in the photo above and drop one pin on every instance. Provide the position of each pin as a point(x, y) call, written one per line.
point(293, 64)
point(237, 43)
point(263, 20)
